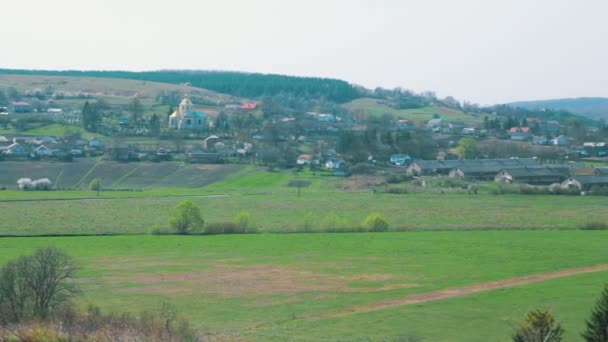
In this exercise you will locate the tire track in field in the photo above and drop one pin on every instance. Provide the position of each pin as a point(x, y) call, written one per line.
point(455, 292)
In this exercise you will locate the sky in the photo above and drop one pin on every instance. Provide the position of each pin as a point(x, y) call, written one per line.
point(482, 51)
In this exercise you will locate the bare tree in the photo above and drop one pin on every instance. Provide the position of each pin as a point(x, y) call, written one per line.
point(36, 284)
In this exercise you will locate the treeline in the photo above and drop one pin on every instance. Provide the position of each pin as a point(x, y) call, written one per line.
point(241, 84)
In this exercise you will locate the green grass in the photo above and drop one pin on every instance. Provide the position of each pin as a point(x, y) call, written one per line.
point(283, 210)
point(374, 108)
point(271, 287)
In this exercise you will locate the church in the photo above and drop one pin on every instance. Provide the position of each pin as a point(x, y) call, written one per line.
point(187, 118)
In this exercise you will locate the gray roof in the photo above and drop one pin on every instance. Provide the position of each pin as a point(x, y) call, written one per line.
point(591, 180)
point(538, 171)
point(487, 164)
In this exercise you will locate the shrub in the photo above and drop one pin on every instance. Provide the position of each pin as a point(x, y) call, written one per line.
point(398, 178)
point(375, 223)
point(334, 223)
point(539, 325)
point(186, 218)
point(397, 190)
point(95, 184)
point(596, 225)
point(216, 228)
point(362, 169)
point(243, 223)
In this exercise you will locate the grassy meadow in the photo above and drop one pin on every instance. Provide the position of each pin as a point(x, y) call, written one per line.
point(371, 107)
point(140, 212)
point(302, 287)
point(290, 286)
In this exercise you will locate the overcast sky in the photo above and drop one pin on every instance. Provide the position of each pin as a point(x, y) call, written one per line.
point(484, 51)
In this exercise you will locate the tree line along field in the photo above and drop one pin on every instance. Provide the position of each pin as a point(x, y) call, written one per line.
point(333, 287)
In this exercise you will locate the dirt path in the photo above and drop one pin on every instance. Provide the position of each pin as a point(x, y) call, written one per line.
point(462, 291)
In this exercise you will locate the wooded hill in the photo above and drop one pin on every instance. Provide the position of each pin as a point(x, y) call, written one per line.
point(240, 84)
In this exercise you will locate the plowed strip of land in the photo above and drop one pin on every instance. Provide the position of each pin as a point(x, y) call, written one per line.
point(462, 291)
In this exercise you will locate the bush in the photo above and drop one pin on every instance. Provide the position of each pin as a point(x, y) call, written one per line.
point(594, 226)
point(216, 228)
point(505, 189)
point(186, 218)
point(375, 223)
point(95, 184)
point(244, 224)
point(451, 183)
point(397, 190)
point(362, 169)
point(398, 178)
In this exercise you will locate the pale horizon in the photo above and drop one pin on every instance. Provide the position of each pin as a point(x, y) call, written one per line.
point(484, 52)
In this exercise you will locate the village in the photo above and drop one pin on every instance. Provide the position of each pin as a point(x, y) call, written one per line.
point(245, 133)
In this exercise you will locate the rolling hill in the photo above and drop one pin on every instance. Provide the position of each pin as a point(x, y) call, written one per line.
point(589, 107)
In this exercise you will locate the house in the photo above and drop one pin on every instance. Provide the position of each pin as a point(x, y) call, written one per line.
point(400, 159)
point(210, 141)
point(118, 151)
point(43, 151)
point(540, 140)
point(249, 106)
point(519, 133)
point(466, 166)
point(335, 164)
point(326, 118)
point(55, 111)
point(553, 127)
point(561, 140)
point(456, 126)
point(475, 172)
point(402, 124)
point(585, 183)
point(4, 140)
point(185, 118)
point(95, 143)
point(432, 167)
point(545, 175)
point(436, 125)
point(304, 159)
point(20, 107)
point(468, 131)
point(601, 171)
point(15, 150)
point(202, 157)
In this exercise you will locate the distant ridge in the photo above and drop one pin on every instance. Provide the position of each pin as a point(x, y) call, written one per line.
point(242, 84)
point(589, 107)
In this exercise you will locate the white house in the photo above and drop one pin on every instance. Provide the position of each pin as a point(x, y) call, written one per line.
point(44, 151)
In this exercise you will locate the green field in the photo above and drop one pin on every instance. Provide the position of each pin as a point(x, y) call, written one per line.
point(304, 286)
point(282, 210)
point(374, 108)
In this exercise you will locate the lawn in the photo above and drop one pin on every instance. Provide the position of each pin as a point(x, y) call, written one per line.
point(286, 286)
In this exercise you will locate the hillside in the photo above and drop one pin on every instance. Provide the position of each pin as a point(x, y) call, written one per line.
point(375, 107)
point(116, 91)
point(234, 83)
point(589, 107)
